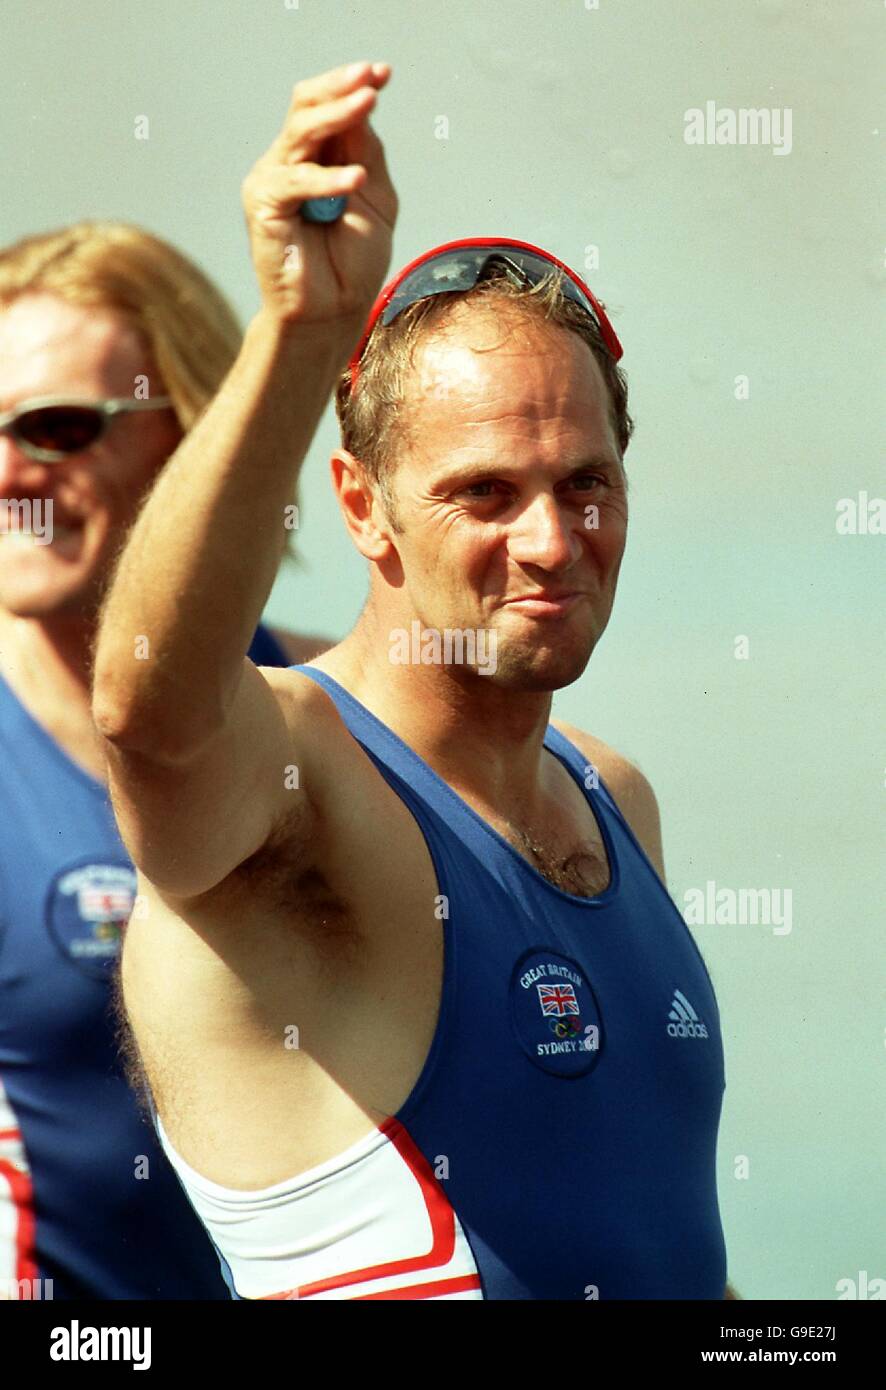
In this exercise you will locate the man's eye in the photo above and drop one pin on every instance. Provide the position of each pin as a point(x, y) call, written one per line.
point(476, 490)
point(586, 480)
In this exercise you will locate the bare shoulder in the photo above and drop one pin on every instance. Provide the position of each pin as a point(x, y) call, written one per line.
point(629, 786)
point(327, 753)
point(306, 708)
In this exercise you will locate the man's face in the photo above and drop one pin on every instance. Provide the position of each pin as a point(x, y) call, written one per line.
point(511, 495)
point(51, 348)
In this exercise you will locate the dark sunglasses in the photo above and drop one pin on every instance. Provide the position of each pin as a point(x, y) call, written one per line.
point(50, 428)
point(459, 265)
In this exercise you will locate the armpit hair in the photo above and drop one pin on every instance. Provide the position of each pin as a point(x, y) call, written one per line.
point(127, 1048)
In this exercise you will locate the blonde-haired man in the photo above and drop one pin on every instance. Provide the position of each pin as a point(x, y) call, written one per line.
point(111, 345)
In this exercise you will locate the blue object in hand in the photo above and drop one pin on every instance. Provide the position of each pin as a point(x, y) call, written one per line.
point(323, 209)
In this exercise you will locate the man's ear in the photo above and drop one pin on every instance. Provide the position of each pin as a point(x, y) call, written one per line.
point(361, 506)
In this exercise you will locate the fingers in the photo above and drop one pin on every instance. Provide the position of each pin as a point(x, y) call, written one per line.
point(338, 82)
point(283, 191)
point(310, 126)
point(326, 147)
point(363, 148)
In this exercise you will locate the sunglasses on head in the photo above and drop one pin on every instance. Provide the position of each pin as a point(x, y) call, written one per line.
point(50, 428)
point(460, 265)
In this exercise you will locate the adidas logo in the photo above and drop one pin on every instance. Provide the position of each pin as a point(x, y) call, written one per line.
point(685, 1022)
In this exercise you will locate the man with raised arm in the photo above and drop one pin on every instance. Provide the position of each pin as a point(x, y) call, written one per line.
point(417, 1015)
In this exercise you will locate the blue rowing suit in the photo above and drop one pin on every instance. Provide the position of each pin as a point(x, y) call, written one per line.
point(575, 1080)
point(87, 1198)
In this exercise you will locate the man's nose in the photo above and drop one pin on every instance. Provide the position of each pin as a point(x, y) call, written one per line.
point(543, 536)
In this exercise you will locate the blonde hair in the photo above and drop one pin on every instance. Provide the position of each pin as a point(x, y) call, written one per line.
point(191, 330)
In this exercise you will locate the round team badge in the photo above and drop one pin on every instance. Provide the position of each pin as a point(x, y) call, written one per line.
point(555, 1013)
point(87, 908)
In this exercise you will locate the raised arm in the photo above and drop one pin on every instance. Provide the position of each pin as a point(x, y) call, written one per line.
point(197, 740)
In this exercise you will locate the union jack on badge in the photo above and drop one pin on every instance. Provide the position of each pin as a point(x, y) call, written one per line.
point(103, 904)
point(557, 999)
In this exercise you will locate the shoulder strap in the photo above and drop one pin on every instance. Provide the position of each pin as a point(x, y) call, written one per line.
point(387, 750)
point(582, 768)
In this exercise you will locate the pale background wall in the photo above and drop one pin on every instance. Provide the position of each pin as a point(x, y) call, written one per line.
point(566, 128)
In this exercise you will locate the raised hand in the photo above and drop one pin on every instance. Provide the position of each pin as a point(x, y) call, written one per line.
point(323, 273)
